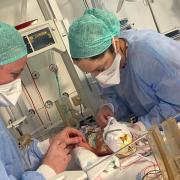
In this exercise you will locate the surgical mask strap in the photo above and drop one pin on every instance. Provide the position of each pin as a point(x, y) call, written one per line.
point(114, 42)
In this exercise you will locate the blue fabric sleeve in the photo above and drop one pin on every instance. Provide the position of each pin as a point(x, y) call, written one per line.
point(157, 114)
point(28, 175)
point(32, 156)
point(160, 71)
point(15, 163)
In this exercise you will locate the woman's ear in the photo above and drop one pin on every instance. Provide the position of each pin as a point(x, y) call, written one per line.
point(122, 46)
point(115, 44)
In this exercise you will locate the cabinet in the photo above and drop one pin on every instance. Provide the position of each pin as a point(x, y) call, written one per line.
point(138, 13)
point(159, 15)
point(167, 14)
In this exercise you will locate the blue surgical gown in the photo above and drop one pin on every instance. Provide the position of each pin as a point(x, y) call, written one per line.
point(150, 82)
point(16, 164)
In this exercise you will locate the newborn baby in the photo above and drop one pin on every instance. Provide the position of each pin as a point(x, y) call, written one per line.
point(112, 138)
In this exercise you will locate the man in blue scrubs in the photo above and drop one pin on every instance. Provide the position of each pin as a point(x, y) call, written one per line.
point(41, 160)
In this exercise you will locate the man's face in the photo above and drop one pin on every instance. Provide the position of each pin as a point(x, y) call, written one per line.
point(96, 66)
point(10, 72)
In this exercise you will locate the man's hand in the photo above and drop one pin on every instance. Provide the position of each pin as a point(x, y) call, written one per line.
point(102, 116)
point(58, 156)
point(69, 136)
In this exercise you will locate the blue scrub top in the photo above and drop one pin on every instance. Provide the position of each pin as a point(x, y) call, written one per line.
point(16, 164)
point(150, 82)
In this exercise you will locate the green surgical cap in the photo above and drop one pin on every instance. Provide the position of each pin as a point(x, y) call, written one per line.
point(92, 33)
point(12, 46)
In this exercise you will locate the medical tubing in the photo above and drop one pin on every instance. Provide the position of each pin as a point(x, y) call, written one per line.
point(32, 103)
point(10, 112)
point(52, 62)
point(58, 83)
point(151, 172)
point(39, 94)
point(147, 159)
point(176, 116)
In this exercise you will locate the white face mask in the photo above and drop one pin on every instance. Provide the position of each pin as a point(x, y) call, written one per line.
point(9, 93)
point(110, 76)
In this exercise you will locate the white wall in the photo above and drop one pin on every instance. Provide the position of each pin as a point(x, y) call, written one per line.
point(136, 11)
point(71, 9)
point(167, 14)
point(10, 11)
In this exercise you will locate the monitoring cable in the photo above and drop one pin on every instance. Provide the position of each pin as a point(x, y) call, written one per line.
point(39, 94)
point(32, 103)
point(152, 172)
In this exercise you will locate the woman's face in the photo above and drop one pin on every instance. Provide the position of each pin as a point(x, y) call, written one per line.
point(96, 66)
point(10, 72)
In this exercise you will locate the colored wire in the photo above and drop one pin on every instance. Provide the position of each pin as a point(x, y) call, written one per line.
point(147, 159)
point(145, 169)
point(32, 103)
point(155, 166)
point(39, 94)
point(138, 159)
point(53, 68)
point(154, 172)
point(135, 161)
point(58, 83)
